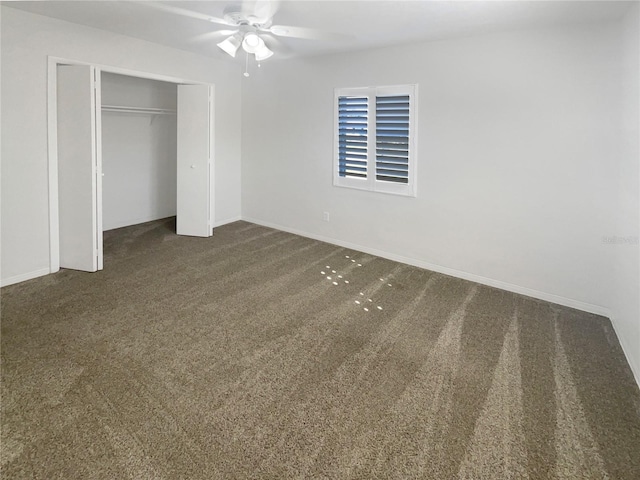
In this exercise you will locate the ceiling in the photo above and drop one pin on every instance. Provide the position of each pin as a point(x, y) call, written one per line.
point(348, 25)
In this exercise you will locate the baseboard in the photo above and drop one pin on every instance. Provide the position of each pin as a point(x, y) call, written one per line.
point(137, 221)
point(45, 271)
point(587, 307)
point(549, 297)
point(24, 277)
point(626, 348)
point(529, 292)
point(228, 220)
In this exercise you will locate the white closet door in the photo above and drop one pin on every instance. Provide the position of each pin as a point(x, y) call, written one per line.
point(79, 184)
point(195, 145)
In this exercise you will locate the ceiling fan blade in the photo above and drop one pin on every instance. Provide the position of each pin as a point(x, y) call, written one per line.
point(260, 11)
point(306, 33)
point(186, 13)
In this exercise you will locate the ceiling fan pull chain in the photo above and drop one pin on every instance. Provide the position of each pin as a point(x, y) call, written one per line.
point(246, 65)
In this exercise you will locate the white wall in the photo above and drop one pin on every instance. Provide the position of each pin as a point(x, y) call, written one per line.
point(528, 153)
point(0, 144)
point(519, 170)
point(27, 40)
point(515, 133)
point(625, 302)
point(138, 152)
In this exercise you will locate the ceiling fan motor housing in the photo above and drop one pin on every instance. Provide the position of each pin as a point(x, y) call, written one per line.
point(239, 19)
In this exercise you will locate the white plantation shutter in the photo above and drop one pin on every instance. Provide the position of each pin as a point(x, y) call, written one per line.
point(352, 136)
point(392, 138)
point(375, 145)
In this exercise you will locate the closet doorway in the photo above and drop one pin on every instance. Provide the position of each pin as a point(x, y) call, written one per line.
point(139, 135)
point(129, 150)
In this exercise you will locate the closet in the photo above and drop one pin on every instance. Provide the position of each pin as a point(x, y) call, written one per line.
point(129, 150)
point(139, 133)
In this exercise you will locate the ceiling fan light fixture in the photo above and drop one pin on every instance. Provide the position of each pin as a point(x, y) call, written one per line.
point(230, 45)
point(252, 43)
point(263, 53)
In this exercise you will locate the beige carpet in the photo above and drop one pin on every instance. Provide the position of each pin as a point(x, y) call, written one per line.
point(261, 354)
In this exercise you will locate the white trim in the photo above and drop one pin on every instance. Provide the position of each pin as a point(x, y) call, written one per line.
point(52, 163)
point(212, 155)
point(370, 183)
point(23, 277)
point(97, 110)
point(52, 138)
point(529, 292)
point(127, 71)
point(228, 220)
point(626, 348)
point(137, 221)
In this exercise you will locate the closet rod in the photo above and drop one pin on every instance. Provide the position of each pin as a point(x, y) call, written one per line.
point(143, 110)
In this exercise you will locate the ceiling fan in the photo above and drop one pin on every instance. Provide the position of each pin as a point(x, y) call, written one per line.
point(247, 34)
point(248, 24)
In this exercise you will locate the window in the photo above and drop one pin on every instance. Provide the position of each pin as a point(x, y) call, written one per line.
point(375, 144)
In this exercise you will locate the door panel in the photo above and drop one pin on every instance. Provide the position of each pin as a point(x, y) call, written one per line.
point(195, 125)
point(78, 157)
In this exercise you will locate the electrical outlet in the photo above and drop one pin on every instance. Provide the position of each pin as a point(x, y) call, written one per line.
point(325, 216)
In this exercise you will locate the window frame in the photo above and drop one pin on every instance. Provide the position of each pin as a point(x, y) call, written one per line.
point(371, 183)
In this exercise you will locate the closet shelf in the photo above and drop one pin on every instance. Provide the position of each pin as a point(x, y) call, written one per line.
point(138, 110)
